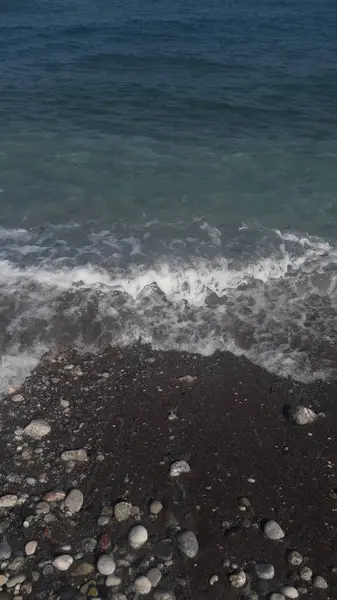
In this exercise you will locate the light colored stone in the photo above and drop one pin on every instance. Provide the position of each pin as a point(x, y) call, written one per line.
point(276, 596)
point(42, 508)
point(213, 580)
point(16, 564)
point(113, 581)
point(123, 511)
point(30, 548)
point(37, 429)
point(179, 467)
point(8, 501)
point(273, 531)
point(54, 496)
point(89, 545)
point(319, 583)
point(3, 579)
point(306, 574)
point(143, 585)
point(82, 570)
point(138, 536)
point(17, 398)
point(238, 579)
point(302, 415)
point(77, 455)
point(103, 520)
point(74, 501)
point(154, 575)
point(295, 558)
point(63, 562)
point(156, 507)
point(5, 550)
point(106, 564)
point(16, 580)
point(265, 571)
point(289, 591)
point(188, 543)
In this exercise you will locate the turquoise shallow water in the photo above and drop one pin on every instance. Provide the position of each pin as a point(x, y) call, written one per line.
point(154, 149)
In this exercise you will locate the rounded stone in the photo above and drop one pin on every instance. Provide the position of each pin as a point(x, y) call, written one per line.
point(16, 580)
point(179, 467)
point(188, 543)
point(113, 581)
point(289, 591)
point(74, 501)
point(295, 558)
point(30, 548)
point(123, 511)
point(156, 507)
point(163, 550)
point(265, 571)
point(37, 429)
point(306, 574)
point(273, 531)
point(8, 501)
point(276, 596)
point(143, 585)
point(63, 562)
point(17, 398)
point(161, 595)
point(238, 579)
point(154, 575)
point(213, 580)
point(106, 564)
point(5, 550)
point(319, 583)
point(42, 508)
point(138, 536)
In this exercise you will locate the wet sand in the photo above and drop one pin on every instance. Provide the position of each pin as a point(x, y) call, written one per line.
point(134, 415)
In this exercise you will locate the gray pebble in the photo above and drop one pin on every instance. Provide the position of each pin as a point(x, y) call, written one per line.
point(8, 501)
point(37, 429)
point(143, 585)
point(5, 550)
point(16, 564)
point(238, 579)
point(74, 501)
point(17, 579)
point(137, 536)
point(77, 455)
point(123, 511)
point(319, 583)
point(295, 558)
point(154, 575)
point(213, 580)
point(276, 596)
point(103, 520)
point(156, 507)
point(48, 570)
point(265, 571)
point(113, 581)
point(302, 415)
point(160, 595)
point(306, 574)
point(179, 467)
point(42, 508)
point(89, 545)
point(289, 591)
point(106, 564)
point(188, 543)
point(273, 531)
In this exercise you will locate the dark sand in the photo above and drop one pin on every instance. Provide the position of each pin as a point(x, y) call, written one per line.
point(230, 428)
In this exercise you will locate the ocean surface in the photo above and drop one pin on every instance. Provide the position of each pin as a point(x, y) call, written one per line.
point(168, 172)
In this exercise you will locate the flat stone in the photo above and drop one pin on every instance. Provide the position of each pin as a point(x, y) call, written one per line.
point(123, 511)
point(273, 531)
point(294, 558)
point(30, 548)
point(143, 585)
point(154, 575)
point(74, 501)
point(77, 455)
point(238, 579)
point(156, 507)
point(82, 570)
point(54, 496)
point(16, 580)
point(106, 564)
point(179, 467)
point(188, 543)
point(306, 574)
point(42, 508)
point(5, 550)
point(63, 562)
point(163, 550)
point(113, 581)
point(265, 571)
point(37, 429)
point(8, 501)
point(137, 536)
point(319, 583)
point(289, 591)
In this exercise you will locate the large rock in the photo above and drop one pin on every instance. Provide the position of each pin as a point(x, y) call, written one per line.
point(273, 531)
point(74, 501)
point(37, 429)
point(188, 543)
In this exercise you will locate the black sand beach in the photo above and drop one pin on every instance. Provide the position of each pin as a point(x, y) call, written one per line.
point(135, 412)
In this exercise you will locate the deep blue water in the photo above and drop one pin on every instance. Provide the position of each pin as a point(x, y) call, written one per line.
point(157, 147)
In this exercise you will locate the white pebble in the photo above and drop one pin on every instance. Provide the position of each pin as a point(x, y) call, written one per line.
point(74, 501)
point(17, 398)
point(8, 501)
point(138, 536)
point(238, 579)
point(273, 531)
point(156, 507)
point(289, 591)
point(188, 543)
point(106, 564)
point(179, 467)
point(319, 583)
point(143, 585)
point(113, 581)
point(37, 429)
point(302, 415)
point(63, 562)
point(30, 548)
point(214, 579)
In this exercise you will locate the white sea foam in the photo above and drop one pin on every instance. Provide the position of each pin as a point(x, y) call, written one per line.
point(277, 307)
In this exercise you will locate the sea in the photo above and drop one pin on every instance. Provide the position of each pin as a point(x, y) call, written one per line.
point(168, 174)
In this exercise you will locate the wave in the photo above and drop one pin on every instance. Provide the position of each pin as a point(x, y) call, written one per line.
point(273, 300)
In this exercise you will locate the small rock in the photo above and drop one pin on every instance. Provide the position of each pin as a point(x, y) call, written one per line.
point(17, 398)
point(289, 591)
point(302, 590)
point(104, 542)
point(106, 564)
point(306, 574)
point(26, 588)
point(143, 585)
point(48, 570)
point(8, 501)
point(163, 550)
point(63, 562)
point(42, 508)
point(214, 579)
point(103, 520)
point(137, 536)
point(74, 501)
point(30, 548)
point(89, 545)
point(3, 579)
point(123, 511)
point(37, 429)
point(16, 580)
point(160, 595)
point(78, 455)
point(154, 575)
point(238, 579)
point(188, 543)
point(276, 596)
point(295, 558)
point(5, 550)
point(156, 507)
point(82, 569)
point(273, 531)
point(179, 467)
point(31, 480)
point(265, 571)
point(54, 496)
point(319, 583)
point(302, 415)
point(113, 581)
point(16, 564)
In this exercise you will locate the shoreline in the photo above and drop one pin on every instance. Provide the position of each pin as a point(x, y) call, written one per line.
point(135, 412)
